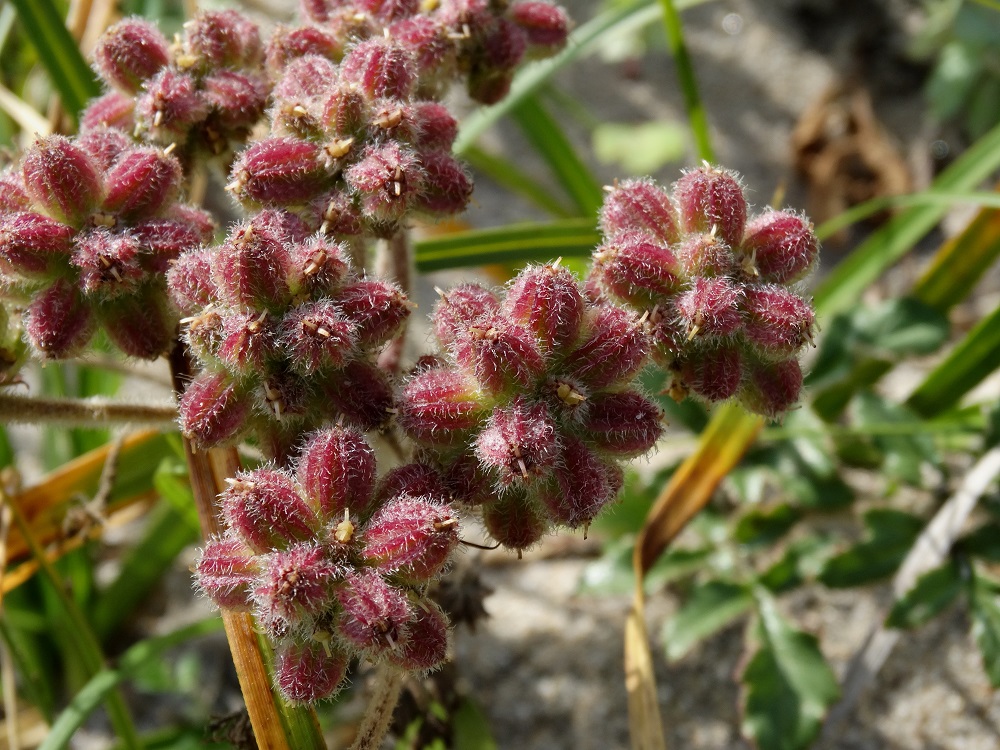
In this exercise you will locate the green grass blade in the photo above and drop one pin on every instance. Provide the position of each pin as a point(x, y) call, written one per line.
point(551, 143)
point(506, 174)
point(845, 284)
point(584, 40)
point(58, 52)
point(511, 244)
point(976, 357)
point(697, 117)
point(97, 688)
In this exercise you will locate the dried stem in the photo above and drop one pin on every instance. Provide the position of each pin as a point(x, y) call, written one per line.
point(83, 412)
point(378, 716)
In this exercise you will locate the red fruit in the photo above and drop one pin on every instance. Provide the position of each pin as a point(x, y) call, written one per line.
point(316, 336)
point(714, 373)
point(446, 187)
point(435, 126)
point(638, 268)
point(771, 389)
point(225, 571)
point(439, 406)
point(221, 39)
point(625, 424)
point(141, 183)
point(613, 349)
point(33, 245)
point(12, 195)
point(360, 393)
point(459, 308)
point(238, 99)
point(518, 443)
point(336, 470)
point(112, 110)
point(547, 301)
point(387, 180)
point(213, 410)
point(583, 485)
point(515, 520)
point(377, 308)
point(61, 177)
point(58, 323)
point(711, 308)
point(414, 480)
point(316, 267)
point(294, 586)
point(501, 355)
point(711, 199)
point(426, 643)
point(130, 52)
point(778, 322)
point(387, 11)
point(110, 263)
point(248, 340)
point(279, 172)
point(345, 115)
point(189, 280)
point(336, 216)
point(375, 615)
point(104, 145)
point(249, 268)
point(380, 68)
point(265, 510)
point(781, 246)
point(705, 255)
point(291, 43)
point(163, 241)
point(411, 537)
point(307, 671)
point(170, 106)
point(639, 205)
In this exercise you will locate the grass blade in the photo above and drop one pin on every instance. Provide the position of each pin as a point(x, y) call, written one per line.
point(58, 52)
point(511, 244)
point(544, 133)
point(506, 174)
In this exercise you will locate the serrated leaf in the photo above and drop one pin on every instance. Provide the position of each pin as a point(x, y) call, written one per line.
point(890, 535)
point(930, 594)
point(984, 603)
point(765, 526)
point(787, 685)
point(710, 607)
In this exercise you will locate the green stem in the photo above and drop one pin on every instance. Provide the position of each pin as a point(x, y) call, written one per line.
point(697, 118)
point(80, 631)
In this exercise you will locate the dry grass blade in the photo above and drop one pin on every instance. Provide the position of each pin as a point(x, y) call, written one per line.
point(722, 445)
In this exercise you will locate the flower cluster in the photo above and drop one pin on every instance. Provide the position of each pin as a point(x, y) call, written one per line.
point(87, 228)
point(204, 93)
point(286, 332)
point(529, 412)
point(718, 288)
point(332, 565)
point(482, 41)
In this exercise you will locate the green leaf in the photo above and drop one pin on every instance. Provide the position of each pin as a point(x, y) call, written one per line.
point(58, 52)
point(890, 535)
point(845, 284)
point(551, 143)
point(904, 453)
point(982, 543)
point(801, 561)
point(102, 683)
point(612, 572)
point(470, 728)
point(984, 601)
point(639, 149)
point(506, 174)
point(765, 526)
point(968, 364)
point(710, 607)
point(787, 685)
point(903, 327)
point(512, 244)
point(931, 593)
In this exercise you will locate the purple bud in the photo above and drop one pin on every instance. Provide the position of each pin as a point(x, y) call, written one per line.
point(546, 25)
point(380, 68)
point(637, 268)
point(583, 486)
point(377, 309)
point(711, 308)
point(518, 443)
point(316, 267)
point(248, 340)
point(515, 520)
point(112, 110)
point(714, 373)
point(781, 245)
point(771, 389)
point(61, 176)
point(317, 336)
point(264, 509)
point(189, 281)
point(500, 354)
point(225, 571)
point(141, 183)
point(130, 52)
point(279, 172)
point(309, 671)
point(110, 263)
point(170, 106)
point(625, 424)
point(249, 267)
point(32, 244)
point(411, 537)
point(387, 11)
point(547, 301)
point(213, 410)
point(459, 308)
point(104, 145)
point(291, 43)
point(387, 180)
point(415, 480)
point(163, 240)
point(439, 406)
point(375, 615)
point(435, 125)
point(58, 323)
point(426, 643)
point(336, 470)
point(778, 322)
point(237, 98)
point(295, 585)
point(12, 194)
point(221, 39)
point(706, 255)
point(141, 325)
point(446, 187)
point(361, 394)
point(613, 349)
point(710, 199)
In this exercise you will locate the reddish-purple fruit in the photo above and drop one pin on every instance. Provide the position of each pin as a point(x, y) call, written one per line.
point(62, 178)
point(411, 537)
point(225, 571)
point(711, 200)
point(130, 52)
point(264, 509)
point(308, 671)
point(639, 205)
point(781, 246)
point(336, 470)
